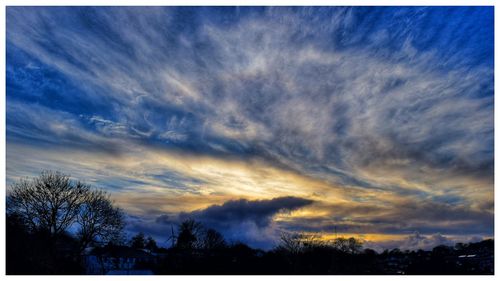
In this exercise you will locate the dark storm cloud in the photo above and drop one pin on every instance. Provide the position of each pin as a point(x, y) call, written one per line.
point(259, 212)
point(242, 220)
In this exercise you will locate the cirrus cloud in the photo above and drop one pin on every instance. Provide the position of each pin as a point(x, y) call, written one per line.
point(364, 107)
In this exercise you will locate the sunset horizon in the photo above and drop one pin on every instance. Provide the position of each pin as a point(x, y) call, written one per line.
point(368, 122)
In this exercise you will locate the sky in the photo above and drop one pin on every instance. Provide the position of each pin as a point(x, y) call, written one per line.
point(372, 122)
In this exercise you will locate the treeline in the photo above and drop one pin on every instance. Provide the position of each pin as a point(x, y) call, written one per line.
point(51, 221)
point(205, 251)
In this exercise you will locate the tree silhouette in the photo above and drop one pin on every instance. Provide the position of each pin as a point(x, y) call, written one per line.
point(348, 245)
point(138, 241)
point(291, 242)
point(189, 235)
point(151, 244)
point(298, 242)
point(213, 240)
point(52, 203)
point(98, 219)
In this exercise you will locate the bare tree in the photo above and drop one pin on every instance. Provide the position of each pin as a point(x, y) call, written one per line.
point(49, 202)
point(298, 242)
point(53, 203)
point(213, 240)
point(98, 219)
point(348, 245)
point(291, 242)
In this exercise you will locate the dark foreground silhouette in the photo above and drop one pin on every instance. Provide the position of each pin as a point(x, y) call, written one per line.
point(34, 253)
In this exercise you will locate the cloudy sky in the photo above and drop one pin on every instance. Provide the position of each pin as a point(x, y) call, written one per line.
point(376, 122)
